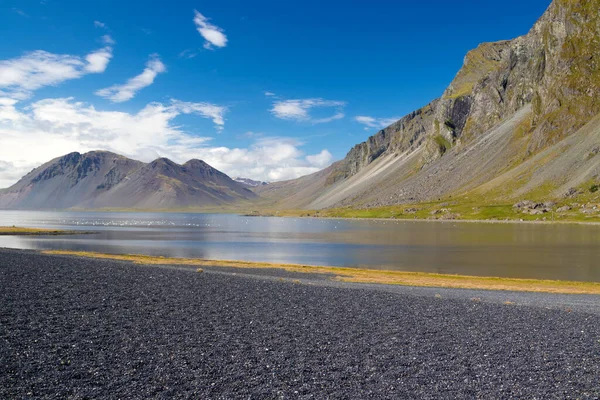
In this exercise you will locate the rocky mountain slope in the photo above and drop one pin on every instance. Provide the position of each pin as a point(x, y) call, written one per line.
point(102, 179)
point(519, 118)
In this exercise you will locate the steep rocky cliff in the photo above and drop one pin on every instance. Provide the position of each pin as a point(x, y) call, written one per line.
point(532, 92)
point(555, 67)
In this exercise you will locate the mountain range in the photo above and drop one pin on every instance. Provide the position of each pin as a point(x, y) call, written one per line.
point(520, 119)
point(101, 179)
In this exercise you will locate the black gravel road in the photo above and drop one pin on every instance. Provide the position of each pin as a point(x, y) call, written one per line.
point(80, 328)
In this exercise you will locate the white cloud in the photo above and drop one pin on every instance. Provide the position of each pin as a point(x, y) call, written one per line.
point(8, 112)
point(53, 127)
point(269, 94)
point(19, 77)
point(11, 172)
point(99, 24)
point(267, 159)
point(299, 110)
point(205, 110)
point(376, 123)
point(98, 60)
point(213, 35)
point(322, 160)
point(127, 91)
point(107, 40)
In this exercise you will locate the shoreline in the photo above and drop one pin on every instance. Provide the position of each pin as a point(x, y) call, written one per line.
point(468, 221)
point(18, 231)
point(362, 276)
point(240, 214)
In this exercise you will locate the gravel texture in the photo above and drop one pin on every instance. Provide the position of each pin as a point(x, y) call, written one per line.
point(81, 328)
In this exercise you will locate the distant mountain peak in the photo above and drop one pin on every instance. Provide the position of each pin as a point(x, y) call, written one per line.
point(250, 182)
point(100, 179)
point(195, 163)
point(162, 160)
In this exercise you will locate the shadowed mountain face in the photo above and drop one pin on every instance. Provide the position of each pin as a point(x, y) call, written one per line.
point(106, 180)
point(520, 117)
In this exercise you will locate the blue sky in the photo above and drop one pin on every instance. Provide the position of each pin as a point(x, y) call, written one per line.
point(266, 89)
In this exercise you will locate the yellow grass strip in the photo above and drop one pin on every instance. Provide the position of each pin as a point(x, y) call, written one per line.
point(370, 276)
point(15, 230)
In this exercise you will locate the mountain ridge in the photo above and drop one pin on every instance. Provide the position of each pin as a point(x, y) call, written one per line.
point(102, 179)
point(511, 101)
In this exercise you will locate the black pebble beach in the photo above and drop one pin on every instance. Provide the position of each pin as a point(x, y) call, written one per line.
point(73, 328)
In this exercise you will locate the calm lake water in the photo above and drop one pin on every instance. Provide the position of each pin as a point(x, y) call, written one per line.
point(512, 250)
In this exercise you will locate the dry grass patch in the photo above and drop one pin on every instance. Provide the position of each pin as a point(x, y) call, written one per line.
point(15, 230)
point(369, 276)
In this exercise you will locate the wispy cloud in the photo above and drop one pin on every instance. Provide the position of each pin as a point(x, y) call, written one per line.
point(188, 53)
point(376, 123)
point(299, 110)
point(213, 35)
point(205, 110)
point(20, 77)
point(99, 24)
point(128, 90)
point(269, 94)
point(334, 117)
point(251, 135)
point(107, 40)
point(20, 12)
